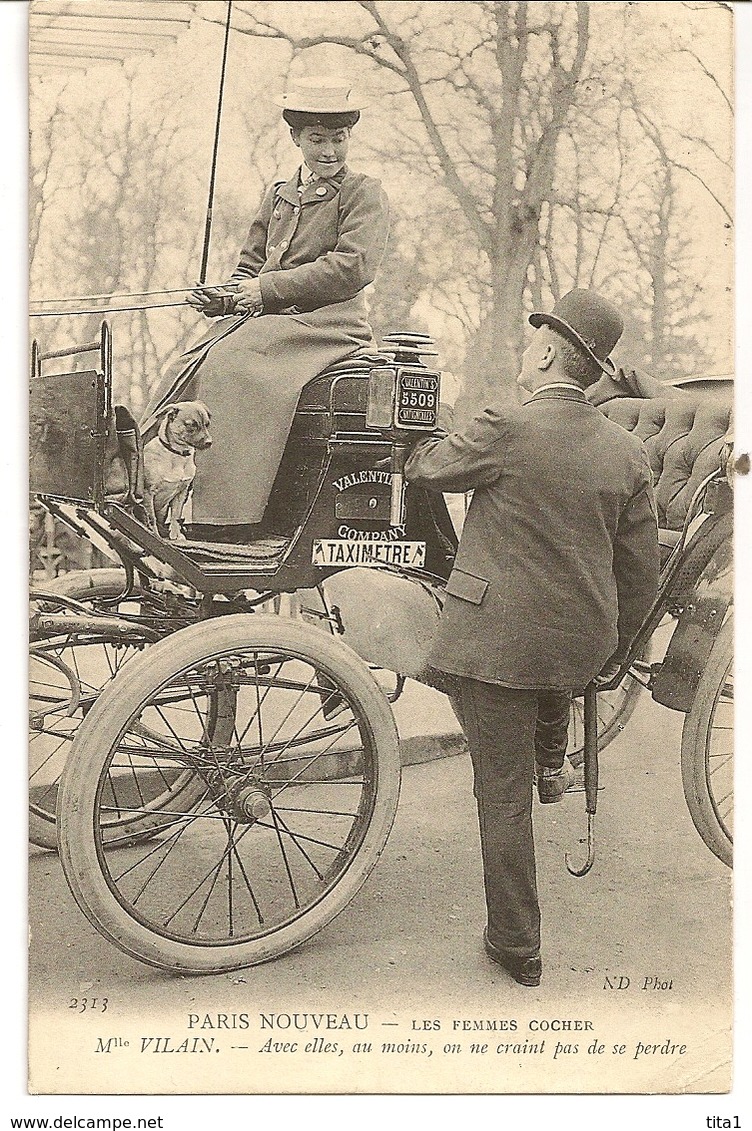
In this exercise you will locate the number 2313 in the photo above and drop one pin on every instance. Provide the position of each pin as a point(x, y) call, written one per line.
point(88, 1004)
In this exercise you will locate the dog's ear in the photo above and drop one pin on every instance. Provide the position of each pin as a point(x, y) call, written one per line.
point(168, 410)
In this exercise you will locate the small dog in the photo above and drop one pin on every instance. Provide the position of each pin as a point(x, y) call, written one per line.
point(169, 466)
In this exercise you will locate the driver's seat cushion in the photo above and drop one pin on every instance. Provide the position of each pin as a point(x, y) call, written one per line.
point(683, 437)
point(356, 363)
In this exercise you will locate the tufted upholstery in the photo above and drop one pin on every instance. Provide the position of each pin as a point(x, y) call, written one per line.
point(683, 436)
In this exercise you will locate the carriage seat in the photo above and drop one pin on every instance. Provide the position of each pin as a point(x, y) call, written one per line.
point(356, 363)
point(684, 437)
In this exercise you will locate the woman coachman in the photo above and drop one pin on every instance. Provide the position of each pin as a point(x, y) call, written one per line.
point(293, 306)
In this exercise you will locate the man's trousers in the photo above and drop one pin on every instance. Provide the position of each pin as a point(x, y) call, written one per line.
point(507, 730)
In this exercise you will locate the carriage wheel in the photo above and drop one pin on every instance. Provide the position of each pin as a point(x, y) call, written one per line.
point(66, 675)
point(614, 709)
point(298, 753)
point(707, 752)
point(64, 678)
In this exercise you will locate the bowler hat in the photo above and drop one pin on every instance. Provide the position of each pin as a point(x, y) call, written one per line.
point(320, 95)
point(588, 321)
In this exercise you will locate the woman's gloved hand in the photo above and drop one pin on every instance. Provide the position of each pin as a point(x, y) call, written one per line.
point(213, 302)
point(248, 296)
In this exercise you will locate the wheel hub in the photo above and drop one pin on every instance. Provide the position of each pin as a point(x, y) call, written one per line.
point(253, 803)
point(244, 797)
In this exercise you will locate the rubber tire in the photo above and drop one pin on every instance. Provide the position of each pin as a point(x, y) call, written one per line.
point(80, 585)
point(90, 585)
point(102, 729)
point(695, 734)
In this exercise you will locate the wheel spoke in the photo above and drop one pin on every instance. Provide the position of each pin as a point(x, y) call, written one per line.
point(293, 741)
point(278, 825)
point(296, 841)
point(248, 885)
point(216, 870)
point(188, 819)
point(292, 708)
point(259, 704)
point(296, 777)
point(204, 878)
point(199, 716)
point(161, 714)
point(171, 843)
point(231, 927)
point(48, 791)
point(284, 856)
point(314, 781)
point(46, 760)
point(172, 760)
point(137, 783)
point(302, 836)
point(298, 809)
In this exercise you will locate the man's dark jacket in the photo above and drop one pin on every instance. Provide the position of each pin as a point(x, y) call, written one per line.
point(558, 561)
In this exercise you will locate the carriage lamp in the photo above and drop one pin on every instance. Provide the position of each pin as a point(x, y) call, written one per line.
point(403, 400)
point(380, 407)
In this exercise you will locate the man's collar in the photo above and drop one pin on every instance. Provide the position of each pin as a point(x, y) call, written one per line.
point(559, 385)
point(559, 390)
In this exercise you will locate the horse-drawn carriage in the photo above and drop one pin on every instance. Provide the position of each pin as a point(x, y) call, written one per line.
point(213, 745)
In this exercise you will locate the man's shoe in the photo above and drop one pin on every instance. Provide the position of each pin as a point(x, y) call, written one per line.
point(553, 784)
point(526, 971)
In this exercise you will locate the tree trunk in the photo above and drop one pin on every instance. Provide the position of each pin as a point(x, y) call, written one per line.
point(659, 312)
point(493, 357)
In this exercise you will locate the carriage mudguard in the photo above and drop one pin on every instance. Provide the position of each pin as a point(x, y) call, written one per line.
point(388, 618)
point(676, 682)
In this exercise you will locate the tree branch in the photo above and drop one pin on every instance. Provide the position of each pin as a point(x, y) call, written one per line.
point(706, 186)
point(482, 229)
point(709, 74)
point(659, 144)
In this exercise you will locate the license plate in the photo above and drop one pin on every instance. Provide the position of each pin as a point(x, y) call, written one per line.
point(345, 551)
point(417, 400)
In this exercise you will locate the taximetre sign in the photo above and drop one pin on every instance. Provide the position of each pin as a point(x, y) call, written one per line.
point(344, 551)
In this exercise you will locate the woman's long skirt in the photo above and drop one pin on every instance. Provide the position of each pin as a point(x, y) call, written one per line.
point(250, 372)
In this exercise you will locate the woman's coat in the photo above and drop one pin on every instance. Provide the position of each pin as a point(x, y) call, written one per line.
point(313, 251)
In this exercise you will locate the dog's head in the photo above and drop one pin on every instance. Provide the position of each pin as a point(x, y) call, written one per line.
point(186, 424)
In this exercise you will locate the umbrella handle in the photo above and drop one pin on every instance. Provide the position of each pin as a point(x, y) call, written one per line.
point(583, 871)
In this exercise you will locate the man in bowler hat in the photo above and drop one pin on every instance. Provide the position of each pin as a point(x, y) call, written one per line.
point(556, 569)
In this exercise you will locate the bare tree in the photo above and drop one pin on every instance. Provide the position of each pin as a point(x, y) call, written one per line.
point(490, 86)
point(41, 150)
point(532, 162)
point(122, 194)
